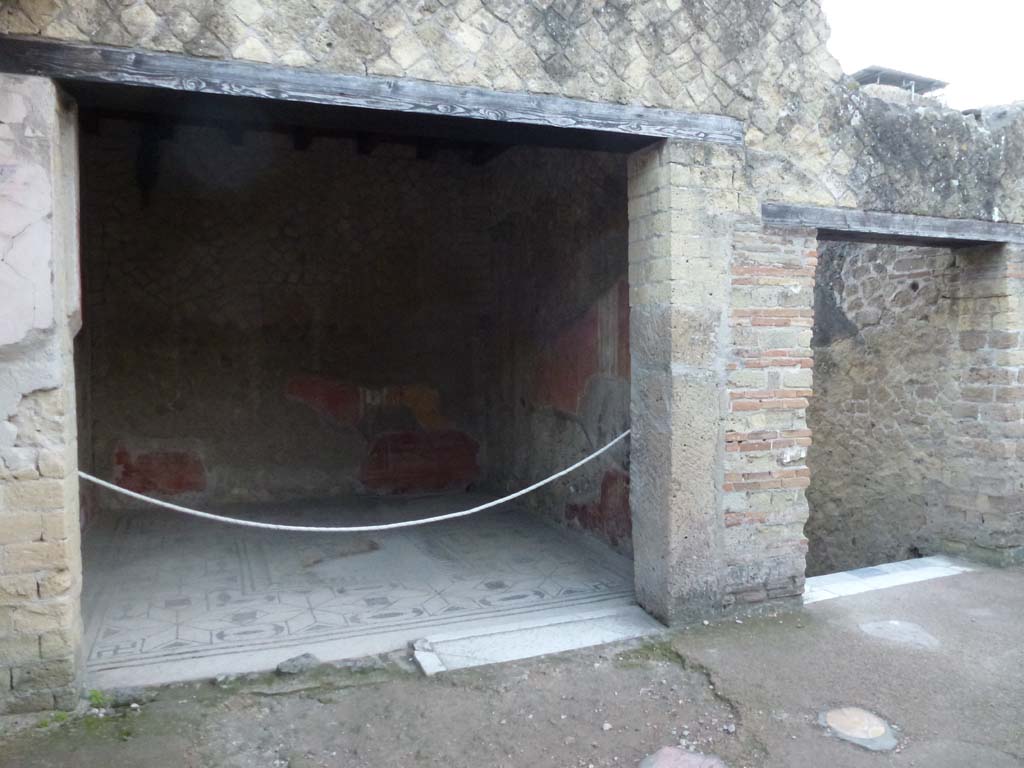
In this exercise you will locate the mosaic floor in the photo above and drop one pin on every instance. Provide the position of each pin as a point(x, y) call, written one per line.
point(172, 598)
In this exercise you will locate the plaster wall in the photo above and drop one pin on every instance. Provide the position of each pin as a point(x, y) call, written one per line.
point(330, 322)
point(40, 563)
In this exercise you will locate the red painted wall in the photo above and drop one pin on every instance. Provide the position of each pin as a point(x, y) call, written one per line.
point(411, 462)
point(608, 516)
point(163, 472)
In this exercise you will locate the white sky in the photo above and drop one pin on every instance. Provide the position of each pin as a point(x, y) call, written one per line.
point(975, 45)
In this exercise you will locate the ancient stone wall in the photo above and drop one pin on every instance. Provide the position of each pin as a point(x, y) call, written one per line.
point(917, 406)
point(770, 367)
point(812, 135)
point(329, 321)
point(40, 564)
point(231, 282)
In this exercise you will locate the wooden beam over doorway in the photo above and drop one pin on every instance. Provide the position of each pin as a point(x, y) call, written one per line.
point(879, 227)
point(104, 64)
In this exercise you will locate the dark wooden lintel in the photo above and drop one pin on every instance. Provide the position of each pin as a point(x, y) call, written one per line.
point(900, 228)
point(105, 64)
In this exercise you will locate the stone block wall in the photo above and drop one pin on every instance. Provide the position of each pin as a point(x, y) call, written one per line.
point(917, 406)
point(678, 257)
point(40, 565)
point(721, 329)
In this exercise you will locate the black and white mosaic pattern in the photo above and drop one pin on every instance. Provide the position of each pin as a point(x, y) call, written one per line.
point(161, 588)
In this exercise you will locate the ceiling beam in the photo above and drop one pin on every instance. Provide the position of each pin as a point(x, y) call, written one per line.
point(105, 64)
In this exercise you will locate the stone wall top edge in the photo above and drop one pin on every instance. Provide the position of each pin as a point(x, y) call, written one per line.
point(812, 135)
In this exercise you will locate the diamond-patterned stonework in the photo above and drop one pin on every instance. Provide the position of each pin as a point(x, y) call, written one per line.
point(814, 136)
point(702, 56)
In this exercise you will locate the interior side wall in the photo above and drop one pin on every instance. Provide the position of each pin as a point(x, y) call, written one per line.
point(264, 322)
point(916, 411)
point(563, 348)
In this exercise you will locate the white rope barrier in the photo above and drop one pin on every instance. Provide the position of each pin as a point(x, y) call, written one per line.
point(354, 528)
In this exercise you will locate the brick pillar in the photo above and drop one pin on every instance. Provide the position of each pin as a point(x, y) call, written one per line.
point(720, 332)
point(683, 207)
point(769, 383)
point(40, 565)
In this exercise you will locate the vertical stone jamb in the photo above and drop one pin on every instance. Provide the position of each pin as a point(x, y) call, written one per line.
point(40, 552)
point(983, 469)
point(684, 201)
point(769, 383)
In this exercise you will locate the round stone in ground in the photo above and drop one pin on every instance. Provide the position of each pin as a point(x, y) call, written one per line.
point(860, 727)
point(674, 757)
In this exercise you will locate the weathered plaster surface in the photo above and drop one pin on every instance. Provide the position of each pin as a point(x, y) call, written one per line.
point(26, 202)
point(40, 570)
point(917, 406)
point(562, 336)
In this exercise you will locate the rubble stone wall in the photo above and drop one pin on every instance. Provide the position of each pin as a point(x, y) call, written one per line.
point(917, 406)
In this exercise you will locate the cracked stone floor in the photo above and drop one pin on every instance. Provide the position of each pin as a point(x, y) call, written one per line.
point(940, 660)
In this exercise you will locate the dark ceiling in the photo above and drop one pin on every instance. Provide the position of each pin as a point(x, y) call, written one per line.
point(482, 139)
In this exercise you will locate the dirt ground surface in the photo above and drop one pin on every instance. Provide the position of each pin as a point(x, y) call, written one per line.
point(603, 707)
point(748, 690)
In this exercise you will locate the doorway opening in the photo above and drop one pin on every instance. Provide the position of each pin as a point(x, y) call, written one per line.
point(327, 316)
point(916, 408)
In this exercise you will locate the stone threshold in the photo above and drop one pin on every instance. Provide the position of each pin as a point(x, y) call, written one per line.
point(532, 637)
point(855, 582)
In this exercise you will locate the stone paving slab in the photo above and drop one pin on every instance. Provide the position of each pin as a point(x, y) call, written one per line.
point(884, 576)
